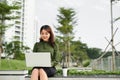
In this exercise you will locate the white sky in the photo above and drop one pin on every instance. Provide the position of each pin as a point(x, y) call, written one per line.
point(93, 19)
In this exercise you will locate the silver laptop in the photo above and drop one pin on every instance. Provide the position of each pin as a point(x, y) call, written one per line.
point(38, 59)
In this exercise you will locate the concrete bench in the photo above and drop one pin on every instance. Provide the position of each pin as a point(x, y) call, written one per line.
point(13, 74)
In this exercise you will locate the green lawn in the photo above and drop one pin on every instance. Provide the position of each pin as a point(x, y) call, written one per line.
point(12, 64)
point(21, 65)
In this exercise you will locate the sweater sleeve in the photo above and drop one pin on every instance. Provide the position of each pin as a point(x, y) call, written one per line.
point(35, 47)
point(55, 55)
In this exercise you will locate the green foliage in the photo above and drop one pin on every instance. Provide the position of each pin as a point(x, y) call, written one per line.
point(94, 53)
point(66, 20)
point(79, 53)
point(75, 72)
point(6, 11)
point(59, 72)
point(86, 63)
point(20, 56)
point(72, 72)
point(109, 53)
point(15, 48)
point(12, 64)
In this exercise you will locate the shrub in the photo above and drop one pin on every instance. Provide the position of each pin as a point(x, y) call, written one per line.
point(86, 63)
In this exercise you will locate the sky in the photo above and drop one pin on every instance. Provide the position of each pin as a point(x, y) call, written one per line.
point(94, 19)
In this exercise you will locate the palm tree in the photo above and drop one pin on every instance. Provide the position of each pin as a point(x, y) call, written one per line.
point(67, 21)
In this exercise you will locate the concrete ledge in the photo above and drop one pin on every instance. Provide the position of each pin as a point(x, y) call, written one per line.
point(78, 78)
point(13, 74)
point(84, 77)
point(81, 68)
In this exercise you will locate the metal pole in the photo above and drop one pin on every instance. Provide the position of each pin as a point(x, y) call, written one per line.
point(112, 38)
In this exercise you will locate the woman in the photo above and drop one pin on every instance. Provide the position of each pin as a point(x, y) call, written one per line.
point(46, 44)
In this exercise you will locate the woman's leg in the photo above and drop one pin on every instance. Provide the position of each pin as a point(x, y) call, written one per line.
point(42, 74)
point(35, 74)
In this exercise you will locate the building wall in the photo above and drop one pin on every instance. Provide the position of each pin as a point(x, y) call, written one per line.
point(30, 23)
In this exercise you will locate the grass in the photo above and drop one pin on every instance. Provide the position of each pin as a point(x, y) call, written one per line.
point(12, 64)
point(21, 65)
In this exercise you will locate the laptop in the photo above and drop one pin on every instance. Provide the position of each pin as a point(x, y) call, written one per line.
point(38, 59)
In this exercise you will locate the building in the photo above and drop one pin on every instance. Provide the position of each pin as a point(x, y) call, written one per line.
point(30, 23)
point(17, 28)
point(24, 28)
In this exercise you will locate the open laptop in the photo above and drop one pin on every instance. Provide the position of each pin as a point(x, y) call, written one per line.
point(38, 59)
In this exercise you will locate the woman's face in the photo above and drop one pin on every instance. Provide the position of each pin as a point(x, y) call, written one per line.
point(45, 35)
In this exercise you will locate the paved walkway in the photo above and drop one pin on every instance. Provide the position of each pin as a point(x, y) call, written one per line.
point(81, 79)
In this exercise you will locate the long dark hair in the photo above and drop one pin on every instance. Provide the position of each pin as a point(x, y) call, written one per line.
point(49, 30)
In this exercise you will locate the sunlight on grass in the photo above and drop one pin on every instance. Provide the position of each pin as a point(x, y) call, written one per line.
point(12, 64)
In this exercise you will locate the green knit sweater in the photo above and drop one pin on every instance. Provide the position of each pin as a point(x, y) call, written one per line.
point(46, 47)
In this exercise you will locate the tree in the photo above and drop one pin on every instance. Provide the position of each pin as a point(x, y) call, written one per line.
point(15, 48)
point(79, 53)
point(94, 53)
point(67, 21)
point(6, 11)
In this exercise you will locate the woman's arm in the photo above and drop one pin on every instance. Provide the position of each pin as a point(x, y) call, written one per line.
point(35, 48)
point(55, 55)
